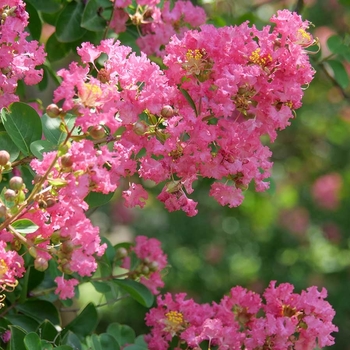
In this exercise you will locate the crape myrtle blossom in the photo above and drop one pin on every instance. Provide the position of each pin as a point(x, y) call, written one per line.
point(242, 320)
point(204, 117)
point(18, 57)
point(152, 261)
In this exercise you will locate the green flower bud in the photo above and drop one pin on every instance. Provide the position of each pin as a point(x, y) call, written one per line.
point(16, 183)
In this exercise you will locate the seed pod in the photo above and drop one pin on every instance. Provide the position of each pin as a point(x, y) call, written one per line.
point(66, 161)
point(140, 128)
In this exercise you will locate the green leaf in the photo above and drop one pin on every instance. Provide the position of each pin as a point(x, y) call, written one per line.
point(140, 340)
point(92, 19)
point(340, 73)
point(44, 81)
point(34, 25)
point(26, 323)
point(123, 334)
point(39, 147)
point(137, 291)
point(32, 341)
point(189, 100)
point(47, 331)
point(72, 340)
point(51, 128)
point(101, 287)
point(55, 49)
point(103, 341)
point(65, 347)
point(40, 310)
point(336, 44)
point(68, 27)
point(96, 199)
point(85, 323)
point(25, 226)
point(23, 125)
point(135, 347)
point(47, 6)
point(8, 145)
point(17, 338)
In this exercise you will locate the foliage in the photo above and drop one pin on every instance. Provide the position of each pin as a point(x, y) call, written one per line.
point(120, 124)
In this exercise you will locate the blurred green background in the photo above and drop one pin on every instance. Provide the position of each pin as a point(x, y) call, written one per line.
point(298, 231)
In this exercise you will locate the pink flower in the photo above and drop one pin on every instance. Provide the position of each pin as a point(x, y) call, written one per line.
point(65, 288)
point(134, 195)
point(326, 191)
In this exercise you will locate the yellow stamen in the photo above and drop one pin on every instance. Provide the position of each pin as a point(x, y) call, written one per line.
point(174, 322)
point(90, 94)
point(261, 60)
point(3, 268)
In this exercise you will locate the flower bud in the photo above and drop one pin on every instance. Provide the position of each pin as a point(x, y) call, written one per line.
point(53, 111)
point(121, 253)
point(4, 157)
point(145, 270)
point(2, 211)
point(67, 246)
point(97, 132)
point(153, 266)
point(21, 197)
point(140, 128)
point(40, 264)
point(10, 195)
point(66, 161)
point(32, 251)
point(16, 183)
point(167, 112)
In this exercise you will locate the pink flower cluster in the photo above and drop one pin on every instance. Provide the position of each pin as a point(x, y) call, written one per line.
point(285, 320)
point(326, 191)
point(157, 25)
point(204, 117)
point(18, 56)
point(152, 261)
point(11, 267)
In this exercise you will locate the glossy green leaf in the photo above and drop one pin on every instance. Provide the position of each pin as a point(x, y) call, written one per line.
point(336, 44)
point(55, 49)
point(40, 310)
point(28, 324)
point(65, 347)
point(137, 291)
point(47, 331)
point(68, 27)
point(123, 334)
point(34, 25)
point(23, 125)
point(47, 6)
point(25, 226)
point(135, 347)
point(101, 287)
point(45, 80)
point(103, 341)
point(140, 340)
point(85, 323)
point(41, 146)
point(51, 128)
point(8, 145)
point(92, 19)
point(32, 341)
point(72, 340)
point(189, 100)
point(96, 199)
point(340, 73)
point(17, 338)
